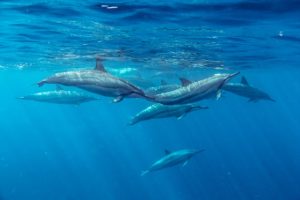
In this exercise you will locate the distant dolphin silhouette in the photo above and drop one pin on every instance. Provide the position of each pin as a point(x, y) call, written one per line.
point(195, 91)
point(244, 89)
point(97, 81)
point(59, 96)
point(171, 159)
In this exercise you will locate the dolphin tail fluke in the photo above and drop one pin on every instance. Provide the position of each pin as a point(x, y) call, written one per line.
point(145, 96)
point(145, 172)
point(136, 94)
point(20, 97)
point(118, 99)
point(140, 93)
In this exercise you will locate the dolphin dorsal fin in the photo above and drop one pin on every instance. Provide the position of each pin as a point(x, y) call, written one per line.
point(184, 81)
point(244, 81)
point(163, 82)
point(99, 65)
point(58, 88)
point(167, 152)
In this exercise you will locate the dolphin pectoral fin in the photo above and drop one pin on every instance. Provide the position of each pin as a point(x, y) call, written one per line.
point(180, 116)
point(121, 97)
point(202, 107)
point(145, 172)
point(185, 163)
point(118, 99)
point(219, 94)
point(253, 100)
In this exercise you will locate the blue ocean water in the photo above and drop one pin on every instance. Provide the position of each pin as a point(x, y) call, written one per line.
point(66, 152)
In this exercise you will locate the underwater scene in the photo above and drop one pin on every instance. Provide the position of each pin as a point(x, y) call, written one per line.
point(152, 100)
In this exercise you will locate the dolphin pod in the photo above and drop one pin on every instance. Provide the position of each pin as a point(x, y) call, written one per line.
point(170, 100)
point(171, 159)
point(59, 96)
point(101, 82)
point(244, 89)
point(97, 81)
point(163, 111)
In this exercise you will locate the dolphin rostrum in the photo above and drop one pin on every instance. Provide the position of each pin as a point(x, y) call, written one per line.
point(244, 89)
point(164, 111)
point(59, 96)
point(195, 91)
point(171, 159)
point(97, 81)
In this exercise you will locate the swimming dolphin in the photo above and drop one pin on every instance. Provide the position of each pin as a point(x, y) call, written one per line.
point(59, 96)
point(163, 111)
point(195, 91)
point(171, 159)
point(97, 81)
point(244, 89)
point(163, 87)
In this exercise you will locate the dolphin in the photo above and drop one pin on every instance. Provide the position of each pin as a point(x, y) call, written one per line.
point(97, 81)
point(171, 159)
point(163, 87)
point(164, 111)
point(244, 89)
point(194, 91)
point(59, 96)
